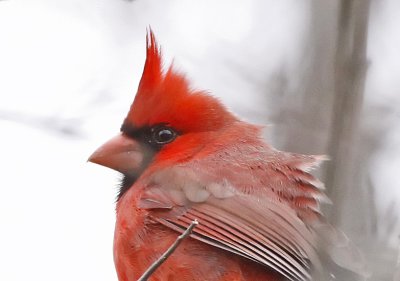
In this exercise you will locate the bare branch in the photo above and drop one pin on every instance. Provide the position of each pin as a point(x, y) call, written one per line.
point(350, 71)
point(168, 252)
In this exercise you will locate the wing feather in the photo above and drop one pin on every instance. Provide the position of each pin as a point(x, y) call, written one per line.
point(263, 232)
point(257, 212)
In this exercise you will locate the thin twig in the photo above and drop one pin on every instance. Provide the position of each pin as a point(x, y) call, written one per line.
point(168, 252)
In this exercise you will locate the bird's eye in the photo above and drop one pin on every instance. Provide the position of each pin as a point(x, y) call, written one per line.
point(163, 135)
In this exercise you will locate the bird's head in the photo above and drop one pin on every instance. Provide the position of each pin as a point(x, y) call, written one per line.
point(167, 123)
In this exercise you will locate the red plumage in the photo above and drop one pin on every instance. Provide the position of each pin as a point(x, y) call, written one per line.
point(189, 158)
point(171, 100)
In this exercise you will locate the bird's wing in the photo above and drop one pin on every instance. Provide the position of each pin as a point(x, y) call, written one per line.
point(262, 226)
point(265, 232)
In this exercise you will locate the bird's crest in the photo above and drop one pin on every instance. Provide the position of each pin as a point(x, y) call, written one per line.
point(152, 73)
point(166, 97)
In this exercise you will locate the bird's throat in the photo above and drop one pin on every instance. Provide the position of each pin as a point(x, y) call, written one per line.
point(126, 182)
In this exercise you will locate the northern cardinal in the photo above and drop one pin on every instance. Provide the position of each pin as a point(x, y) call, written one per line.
point(184, 156)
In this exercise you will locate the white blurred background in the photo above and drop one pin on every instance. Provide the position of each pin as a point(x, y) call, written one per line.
point(69, 71)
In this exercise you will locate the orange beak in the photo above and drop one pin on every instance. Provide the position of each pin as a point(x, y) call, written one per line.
point(120, 153)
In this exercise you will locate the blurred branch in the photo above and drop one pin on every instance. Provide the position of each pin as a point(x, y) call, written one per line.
point(56, 124)
point(305, 109)
point(396, 276)
point(169, 252)
point(372, 210)
point(350, 72)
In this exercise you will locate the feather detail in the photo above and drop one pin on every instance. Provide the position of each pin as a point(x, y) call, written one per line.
point(256, 206)
point(168, 93)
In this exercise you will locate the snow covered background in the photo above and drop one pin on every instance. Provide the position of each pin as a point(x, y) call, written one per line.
point(68, 74)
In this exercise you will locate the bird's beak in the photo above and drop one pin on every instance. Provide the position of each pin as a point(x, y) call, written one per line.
point(120, 153)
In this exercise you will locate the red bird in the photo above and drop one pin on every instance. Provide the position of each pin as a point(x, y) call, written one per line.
point(184, 156)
